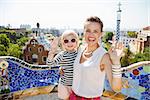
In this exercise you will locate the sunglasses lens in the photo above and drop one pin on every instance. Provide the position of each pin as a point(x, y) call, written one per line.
point(66, 41)
point(73, 40)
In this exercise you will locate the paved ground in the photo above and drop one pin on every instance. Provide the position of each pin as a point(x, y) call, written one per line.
point(51, 96)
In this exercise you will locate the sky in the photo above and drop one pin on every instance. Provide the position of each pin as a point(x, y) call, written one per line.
point(73, 13)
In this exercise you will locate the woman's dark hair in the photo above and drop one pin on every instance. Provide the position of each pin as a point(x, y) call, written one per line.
point(95, 19)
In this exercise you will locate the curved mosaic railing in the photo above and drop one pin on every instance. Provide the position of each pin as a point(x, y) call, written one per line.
point(16, 75)
point(136, 81)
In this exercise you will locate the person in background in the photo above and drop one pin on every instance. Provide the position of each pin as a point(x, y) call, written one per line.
point(93, 63)
point(65, 59)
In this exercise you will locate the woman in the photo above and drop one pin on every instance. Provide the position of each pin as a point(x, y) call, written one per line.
point(93, 63)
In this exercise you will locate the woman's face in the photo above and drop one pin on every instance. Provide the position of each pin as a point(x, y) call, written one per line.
point(92, 32)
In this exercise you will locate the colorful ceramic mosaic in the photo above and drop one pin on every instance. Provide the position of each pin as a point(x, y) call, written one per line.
point(18, 75)
point(136, 83)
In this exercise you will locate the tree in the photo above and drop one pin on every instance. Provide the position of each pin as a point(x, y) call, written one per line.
point(107, 45)
point(4, 40)
point(14, 50)
point(13, 36)
point(145, 56)
point(22, 41)
point(3, 51)
point(132, 34)
point(127, 59)
point(28, 32)
point(108, 36)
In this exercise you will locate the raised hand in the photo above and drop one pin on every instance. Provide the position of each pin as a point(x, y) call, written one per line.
point(54, 44)
point(116, 52)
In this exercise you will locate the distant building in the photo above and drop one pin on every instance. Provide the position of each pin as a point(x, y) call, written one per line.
point(142, 41)
point(26, 26)
point(35, 53)
point(36, 31)
point(36, 50)
point(127, 40)
point(55, 32)
point(19, 31)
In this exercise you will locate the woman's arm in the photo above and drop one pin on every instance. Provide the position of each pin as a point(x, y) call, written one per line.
point(112, 64)
point(115, 82)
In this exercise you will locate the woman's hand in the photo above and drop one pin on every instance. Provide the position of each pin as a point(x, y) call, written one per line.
point(61, 72)
point(116, 52)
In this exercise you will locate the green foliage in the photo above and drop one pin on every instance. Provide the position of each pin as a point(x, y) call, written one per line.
point(132, 34)
point(3, 51)
point(127, 58)
point(11, 34)
point(14, 50)
point(145, 56)
point(147, 53)
point(107, 45)
point(22, 41)
point(11, 42)
point(28, 32)
point(13, 37)
point(4, 40)
point(80, 39)
point(108, 36)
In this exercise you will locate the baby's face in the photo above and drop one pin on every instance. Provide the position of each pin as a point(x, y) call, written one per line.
point(70, 43)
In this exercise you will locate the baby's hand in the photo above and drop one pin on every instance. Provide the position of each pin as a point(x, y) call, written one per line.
point(54, 44)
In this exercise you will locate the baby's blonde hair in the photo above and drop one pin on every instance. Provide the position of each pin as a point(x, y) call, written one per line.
point(69, 33)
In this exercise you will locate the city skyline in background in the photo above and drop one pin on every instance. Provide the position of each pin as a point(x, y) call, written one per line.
point(72, 14)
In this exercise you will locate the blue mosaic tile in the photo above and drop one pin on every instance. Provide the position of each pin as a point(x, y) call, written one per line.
point(145, 96)
point(124, 75)
point(21, 78)
point(138, 86)
point(144, 81)
point(140, 68)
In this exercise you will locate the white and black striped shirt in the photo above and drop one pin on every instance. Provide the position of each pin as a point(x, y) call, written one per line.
point(65, 60)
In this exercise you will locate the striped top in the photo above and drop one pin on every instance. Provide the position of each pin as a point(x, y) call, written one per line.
point(65, 60)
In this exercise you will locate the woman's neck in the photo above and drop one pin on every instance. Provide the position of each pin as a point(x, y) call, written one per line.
point(91, 48)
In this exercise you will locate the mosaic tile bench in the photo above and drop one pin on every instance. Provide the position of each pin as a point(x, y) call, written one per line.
point(17, 75)
point(136, 82)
